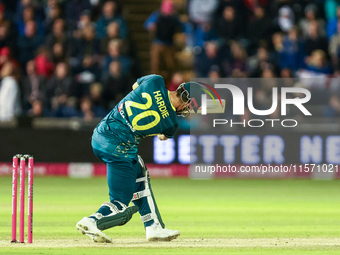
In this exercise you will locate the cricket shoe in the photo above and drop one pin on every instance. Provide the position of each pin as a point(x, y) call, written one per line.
point(88, 227)
point(155, 232)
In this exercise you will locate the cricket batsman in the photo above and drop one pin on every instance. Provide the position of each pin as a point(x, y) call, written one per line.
point(148, 110)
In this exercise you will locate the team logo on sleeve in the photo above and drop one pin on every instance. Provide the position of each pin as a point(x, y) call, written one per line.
point(120, 107)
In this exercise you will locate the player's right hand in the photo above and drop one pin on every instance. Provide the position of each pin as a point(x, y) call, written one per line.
point(162, 137)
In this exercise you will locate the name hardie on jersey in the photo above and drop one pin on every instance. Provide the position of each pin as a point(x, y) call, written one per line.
point(161, 105)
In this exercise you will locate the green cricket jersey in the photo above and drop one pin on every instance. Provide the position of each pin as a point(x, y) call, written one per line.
point(145, 111)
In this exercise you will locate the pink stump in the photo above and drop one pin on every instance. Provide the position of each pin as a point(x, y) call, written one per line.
point(14, 198)
point(22, 200)
point(30, 199)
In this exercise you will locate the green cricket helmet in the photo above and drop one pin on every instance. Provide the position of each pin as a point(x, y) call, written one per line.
point(190, 94)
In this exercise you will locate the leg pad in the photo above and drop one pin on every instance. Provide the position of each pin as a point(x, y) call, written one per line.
point(139, 197)
point(118, 219)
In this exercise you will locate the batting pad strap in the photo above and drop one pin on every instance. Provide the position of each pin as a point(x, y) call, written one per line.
point(148, 217)
point(112, 207)
point(140, 194)
point(97, 215)
point(142, 179)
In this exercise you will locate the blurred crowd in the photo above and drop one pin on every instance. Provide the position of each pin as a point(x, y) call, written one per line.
point(75, 58)
point(63, 58)
point(256, 39)
point(262, 38)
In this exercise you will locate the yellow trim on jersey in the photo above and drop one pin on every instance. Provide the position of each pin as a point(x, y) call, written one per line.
point(135, 85)
point(152, 134)
point(170, 101)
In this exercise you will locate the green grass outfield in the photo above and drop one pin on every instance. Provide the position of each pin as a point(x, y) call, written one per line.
point(214, 217)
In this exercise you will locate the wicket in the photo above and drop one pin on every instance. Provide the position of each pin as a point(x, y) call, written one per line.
point(22, 198)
